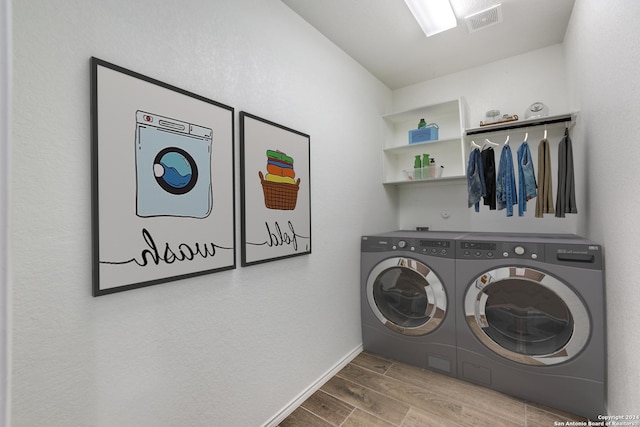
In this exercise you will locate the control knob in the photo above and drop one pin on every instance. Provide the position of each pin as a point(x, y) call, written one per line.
point(402, 244)
point(519, 250)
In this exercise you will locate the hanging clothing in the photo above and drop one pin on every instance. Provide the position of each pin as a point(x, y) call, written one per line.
point(566, 195)
point(526, 178)
point(475, 179)
point(506, 193)
point(544, 202)
point(489, 168)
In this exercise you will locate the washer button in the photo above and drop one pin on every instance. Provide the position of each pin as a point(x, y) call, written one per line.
point(490, 254)
point(505, 254)
point(534, 256)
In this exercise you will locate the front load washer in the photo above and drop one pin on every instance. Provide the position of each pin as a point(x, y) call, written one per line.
point(531, 318)
point(407, 297)
point(173, 167)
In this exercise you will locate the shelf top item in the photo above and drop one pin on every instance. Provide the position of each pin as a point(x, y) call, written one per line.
point(562, 118)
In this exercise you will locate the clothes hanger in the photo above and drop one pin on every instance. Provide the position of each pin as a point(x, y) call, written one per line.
point(506, 141)
point(488, 142)
point(526, 136)
point(473, 144)
point(545, 132)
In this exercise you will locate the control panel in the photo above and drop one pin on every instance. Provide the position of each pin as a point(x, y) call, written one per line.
point(469, 249)
point(427, 247)
point(431, 247)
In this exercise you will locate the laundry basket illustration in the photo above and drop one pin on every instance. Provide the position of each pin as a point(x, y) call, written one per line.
point(279, 195)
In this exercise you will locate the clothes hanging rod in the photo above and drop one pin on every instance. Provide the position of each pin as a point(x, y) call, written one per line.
point(563, 118)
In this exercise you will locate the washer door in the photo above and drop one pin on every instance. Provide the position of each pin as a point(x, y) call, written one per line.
point(527, 316)
point(175, 170)
point(406, 296)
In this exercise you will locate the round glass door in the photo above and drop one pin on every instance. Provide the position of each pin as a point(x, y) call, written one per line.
point(406, 296)
point(527, 316)
point(175, 170)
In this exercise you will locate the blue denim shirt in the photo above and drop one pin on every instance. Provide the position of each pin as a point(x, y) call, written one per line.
point(475, 179)
point(506, 195)
point(526, 178)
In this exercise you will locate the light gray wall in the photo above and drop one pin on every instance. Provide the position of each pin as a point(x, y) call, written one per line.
point(228, 349)
point(602, 47)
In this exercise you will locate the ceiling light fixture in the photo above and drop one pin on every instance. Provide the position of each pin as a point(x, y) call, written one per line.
point(434, 16)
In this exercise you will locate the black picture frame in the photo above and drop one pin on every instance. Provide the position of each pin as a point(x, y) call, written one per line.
point(275, 182)
point(163, 181)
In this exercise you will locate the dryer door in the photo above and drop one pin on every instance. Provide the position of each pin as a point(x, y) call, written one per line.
point(406, 296)
point(527, 316)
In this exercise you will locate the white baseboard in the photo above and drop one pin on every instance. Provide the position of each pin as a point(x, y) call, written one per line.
point(287, 410)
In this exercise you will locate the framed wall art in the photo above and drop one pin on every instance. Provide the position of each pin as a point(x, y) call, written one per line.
point(162, 181)
point(275, 182)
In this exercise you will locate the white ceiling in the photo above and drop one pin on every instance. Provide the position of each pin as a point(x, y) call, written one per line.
point(383, 36)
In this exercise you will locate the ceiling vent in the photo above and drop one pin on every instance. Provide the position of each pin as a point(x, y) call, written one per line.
point(484, 19)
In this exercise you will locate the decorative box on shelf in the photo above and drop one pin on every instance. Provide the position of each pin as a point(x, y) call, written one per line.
point(426, 134)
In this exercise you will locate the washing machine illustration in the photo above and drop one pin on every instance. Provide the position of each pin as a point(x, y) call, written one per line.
point(173, 167)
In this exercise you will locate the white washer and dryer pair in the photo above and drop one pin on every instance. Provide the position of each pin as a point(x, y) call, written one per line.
point(519, 313)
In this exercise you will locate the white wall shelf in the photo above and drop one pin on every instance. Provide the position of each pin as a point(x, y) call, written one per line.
point(552, 123)
point(567, 119)
point(448, 150)
point(428, 181)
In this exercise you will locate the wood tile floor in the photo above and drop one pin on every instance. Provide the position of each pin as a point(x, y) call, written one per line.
point(377, 392)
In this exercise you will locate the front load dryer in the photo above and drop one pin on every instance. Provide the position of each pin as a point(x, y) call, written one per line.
point(407, 298)
point(531, 318)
